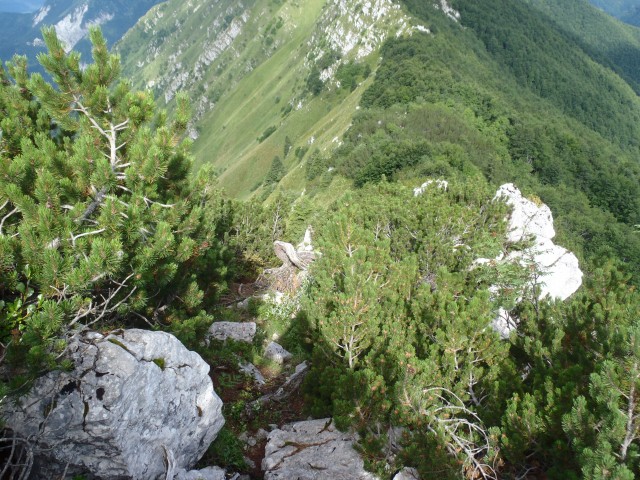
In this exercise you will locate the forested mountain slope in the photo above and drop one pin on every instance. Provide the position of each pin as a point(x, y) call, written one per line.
point(284, 99)
point(602, 37)
point(626, 10)
point(20, 32)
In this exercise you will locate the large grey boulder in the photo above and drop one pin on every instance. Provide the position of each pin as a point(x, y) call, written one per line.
point(135, 403)
point(312, 450)
point(560, 271)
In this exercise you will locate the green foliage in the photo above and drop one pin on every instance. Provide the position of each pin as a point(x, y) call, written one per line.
point(580, 386)
point(348, 74)
point(397, 310)
point(101, 223)
point(554, 68)
point(276, 171)
point(316, 165)
point(314, 82)
point(226, 450)
point(267, 133)
point(464, 115)
point(287, 146)
point(160, 362)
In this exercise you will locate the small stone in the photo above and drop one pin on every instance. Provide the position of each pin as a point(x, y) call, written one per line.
point(276, 353)
point(322, 448)
point(407, 473)
point(300, 367)
point(261, 435)
point(243, 305)
point(252, 371)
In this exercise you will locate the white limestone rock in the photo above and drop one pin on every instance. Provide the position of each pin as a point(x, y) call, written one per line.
point(306, 245)
point(276, 353)
point(238, 331)
point(441, 184)
point(312, 450)
point(527, 219)
point(134, 399)
point(558, 270)
point(448, 10)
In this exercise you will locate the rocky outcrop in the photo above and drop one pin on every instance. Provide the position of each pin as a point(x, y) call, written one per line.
point(557, 271)
point(560, 274)
point(295, 262)
point(135, 403)
point(312, 450)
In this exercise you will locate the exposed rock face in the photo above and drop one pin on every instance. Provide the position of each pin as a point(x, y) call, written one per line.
point(312, 450)
point(238, 331)
point(135, 403)
point(360, 31)
point(449, 11)
point(559, 273)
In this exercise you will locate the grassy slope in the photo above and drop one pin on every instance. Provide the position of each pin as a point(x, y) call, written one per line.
point(242, 115)
point(250, 83)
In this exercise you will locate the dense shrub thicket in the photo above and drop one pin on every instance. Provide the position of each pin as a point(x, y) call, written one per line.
point(103, 225)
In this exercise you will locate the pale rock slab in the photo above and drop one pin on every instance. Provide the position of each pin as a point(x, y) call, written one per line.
point(441, 184)
point(209, 473)
point(312, 450)
point(134, 399)
point(238, 331)
point(561, 274)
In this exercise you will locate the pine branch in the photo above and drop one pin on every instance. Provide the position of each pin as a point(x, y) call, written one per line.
point(93, 205)
point(100, 310)
point(149, 202)
point(15, 210)
point(94, 232)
